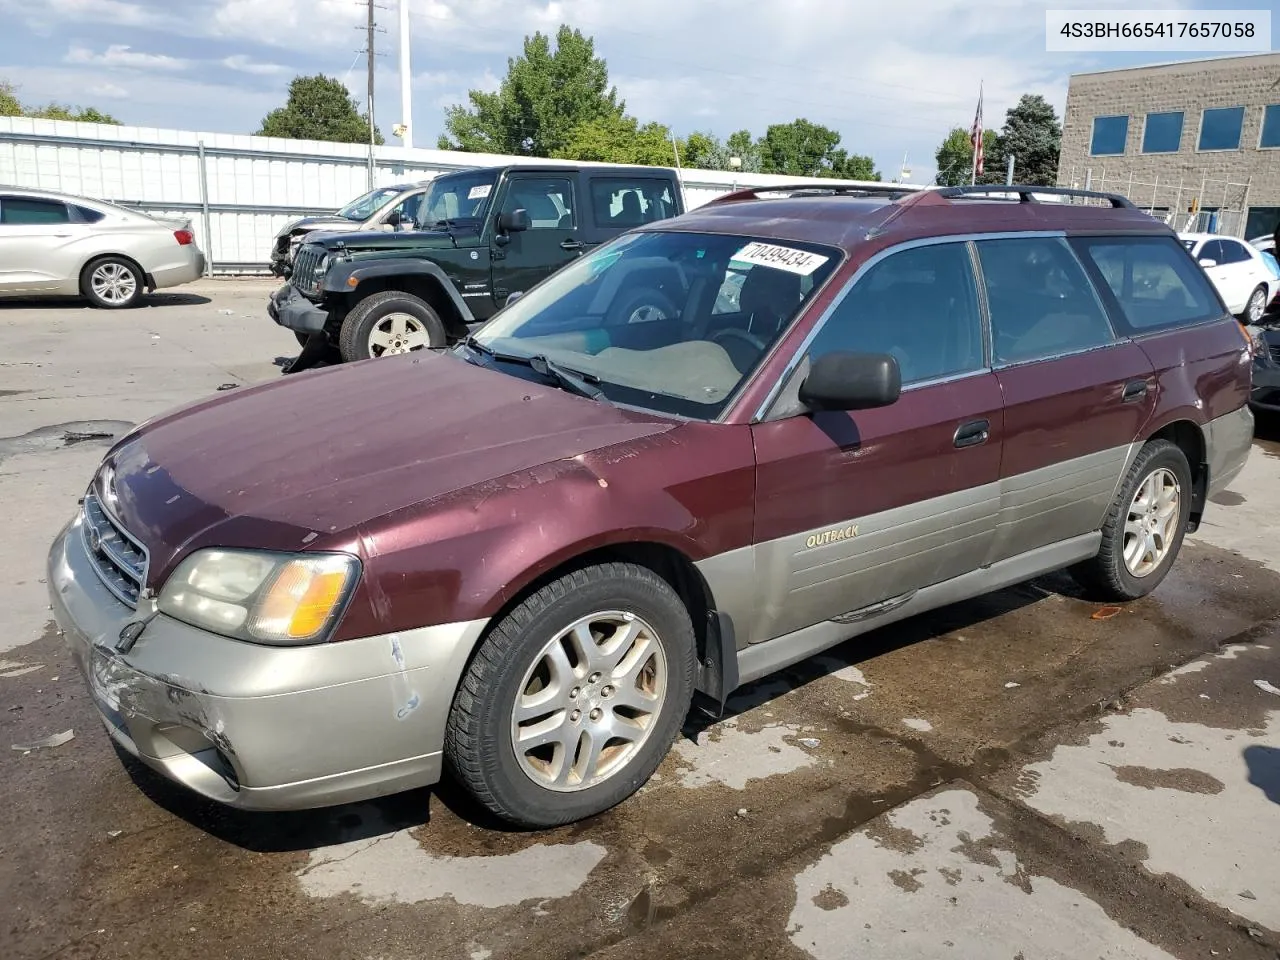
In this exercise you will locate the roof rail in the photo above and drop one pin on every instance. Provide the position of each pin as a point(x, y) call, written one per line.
point(1025, 191)
point(890, 190)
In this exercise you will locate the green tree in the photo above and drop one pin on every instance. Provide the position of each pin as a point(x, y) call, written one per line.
point(704, 151)
point(319, 108)
point(618, 140)
point(548, 100)
point(852, 166)
point(10, 106)
point(747, 149)
point(799, 148)
point(954, 158)
point(1033, 135)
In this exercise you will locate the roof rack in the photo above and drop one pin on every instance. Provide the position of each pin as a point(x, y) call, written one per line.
point(891, 191)
point(1025, 191)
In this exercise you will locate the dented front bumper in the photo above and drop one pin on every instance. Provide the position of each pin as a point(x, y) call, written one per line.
point(254, 726)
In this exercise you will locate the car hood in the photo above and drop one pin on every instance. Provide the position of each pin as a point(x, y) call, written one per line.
point(465, 233)
point(305, 460)
point(317, 223)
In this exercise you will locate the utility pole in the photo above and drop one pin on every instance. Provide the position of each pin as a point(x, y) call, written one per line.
point(372, 26)
point(406, 77)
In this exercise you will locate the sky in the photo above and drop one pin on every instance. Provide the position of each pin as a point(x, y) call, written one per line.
point(893, 78)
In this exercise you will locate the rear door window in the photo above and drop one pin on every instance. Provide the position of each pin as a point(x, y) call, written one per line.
point(1233, 252)
point(626, 202)
point(27, 211)
point(1154, 284)
point(1041, 302)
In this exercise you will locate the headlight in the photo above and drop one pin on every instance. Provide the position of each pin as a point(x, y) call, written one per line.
point(276, 598)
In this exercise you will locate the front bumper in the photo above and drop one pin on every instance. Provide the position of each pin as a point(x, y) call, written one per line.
point(292, 310)
point(260, 727)
point(1265, 394)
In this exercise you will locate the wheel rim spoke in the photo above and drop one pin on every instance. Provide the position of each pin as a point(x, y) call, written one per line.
point(589, 701)
point(1152, 523)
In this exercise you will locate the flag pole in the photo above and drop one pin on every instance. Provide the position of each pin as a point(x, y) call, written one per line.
point(977, 139)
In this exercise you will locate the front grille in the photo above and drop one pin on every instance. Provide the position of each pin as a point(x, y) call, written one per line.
point(304, 267)
point(1275, 352)
point(118, 559)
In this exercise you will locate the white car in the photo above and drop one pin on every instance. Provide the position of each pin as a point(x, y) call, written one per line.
point(55, 244)
point(1265, 243)
point(1238, 270)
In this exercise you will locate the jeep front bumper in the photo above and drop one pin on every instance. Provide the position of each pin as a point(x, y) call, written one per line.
point(292, 310)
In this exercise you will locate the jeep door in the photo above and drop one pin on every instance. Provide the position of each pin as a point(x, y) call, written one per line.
point(867, 506)
point(1076, 394)
point(521, 259)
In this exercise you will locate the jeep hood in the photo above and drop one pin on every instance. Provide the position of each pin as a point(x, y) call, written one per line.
point(306, 459)
point(465, 233)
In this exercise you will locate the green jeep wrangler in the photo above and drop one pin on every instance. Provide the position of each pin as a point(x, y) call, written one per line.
point(480, 237)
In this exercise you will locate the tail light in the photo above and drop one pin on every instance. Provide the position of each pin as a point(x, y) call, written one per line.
point(184, 237)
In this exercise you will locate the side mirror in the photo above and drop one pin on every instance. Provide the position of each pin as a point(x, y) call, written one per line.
point(1206, 262)
point(513, 297)
point(852, 381)
point(394, 219)
point(515, 221)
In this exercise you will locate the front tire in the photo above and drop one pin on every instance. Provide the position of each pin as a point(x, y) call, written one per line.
point(112, 283)
point(1144, 527)
point(390, 323)
point(574, 698)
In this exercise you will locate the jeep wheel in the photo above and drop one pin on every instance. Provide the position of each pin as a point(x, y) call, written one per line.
point(644, 306)
point(575, 697)
point(389, 323)
point(1143, 530)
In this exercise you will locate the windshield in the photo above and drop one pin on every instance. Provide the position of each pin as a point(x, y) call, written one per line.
point(362, 208)
point(672, 322)
point(456, 196)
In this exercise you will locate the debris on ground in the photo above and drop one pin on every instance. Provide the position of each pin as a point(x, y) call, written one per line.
point(1105, 613)
point(1010, 685)
point(810, 742)
point(742, 812)
point(53, 740)
point(114, 833)
point(227, 313)
point(227, 386)
point(1267, 687)
point(1247, 895)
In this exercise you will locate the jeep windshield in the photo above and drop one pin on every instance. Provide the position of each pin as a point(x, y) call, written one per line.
point(362, 208)
point(458, 196)
point(661, 320)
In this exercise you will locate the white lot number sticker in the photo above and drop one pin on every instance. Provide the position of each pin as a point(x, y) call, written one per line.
point(480, 192)
point(781, 258)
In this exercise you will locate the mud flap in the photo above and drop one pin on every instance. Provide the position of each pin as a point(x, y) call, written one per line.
point(717, 673)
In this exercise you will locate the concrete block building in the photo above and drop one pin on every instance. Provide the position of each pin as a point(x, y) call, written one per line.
point(1195, 142)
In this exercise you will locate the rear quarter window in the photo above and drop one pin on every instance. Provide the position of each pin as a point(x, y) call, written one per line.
point(1153, 283)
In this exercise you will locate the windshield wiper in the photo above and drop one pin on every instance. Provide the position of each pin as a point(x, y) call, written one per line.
point(585, 385)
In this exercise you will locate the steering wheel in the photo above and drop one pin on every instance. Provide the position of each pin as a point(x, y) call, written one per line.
point(733, 333)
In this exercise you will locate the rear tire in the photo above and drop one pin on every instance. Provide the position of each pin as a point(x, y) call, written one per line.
point(1256, 305)
point(112, 283)
point(593, 727)
point(1144, 527)
point(390, 323)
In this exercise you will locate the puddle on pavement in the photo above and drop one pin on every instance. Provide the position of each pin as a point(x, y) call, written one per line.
point(101, 433)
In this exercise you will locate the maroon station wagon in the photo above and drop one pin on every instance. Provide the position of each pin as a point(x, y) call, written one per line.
point(520, 558)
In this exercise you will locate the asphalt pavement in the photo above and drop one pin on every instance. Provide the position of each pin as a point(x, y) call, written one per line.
point(1024, 775)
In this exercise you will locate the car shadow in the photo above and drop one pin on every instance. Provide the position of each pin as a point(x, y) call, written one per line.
point(932, 625)
point(151, 301)
point(1264, 770)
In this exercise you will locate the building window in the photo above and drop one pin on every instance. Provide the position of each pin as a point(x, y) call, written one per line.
point(1163, 133)
point(1270, 127)
point(1220, 128)
point(1109, 135)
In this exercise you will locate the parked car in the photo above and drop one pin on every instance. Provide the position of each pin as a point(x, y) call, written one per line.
point(481, 235)
point(519, 559)
point(1239, 271)
point(56, 244)
point(383, 208)
point(1264, 242)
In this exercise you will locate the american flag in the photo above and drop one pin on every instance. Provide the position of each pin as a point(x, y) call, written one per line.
point(975, 139)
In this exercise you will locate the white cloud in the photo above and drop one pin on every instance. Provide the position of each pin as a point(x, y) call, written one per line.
point(120, 55)
point(108, 91)
point(243, 64)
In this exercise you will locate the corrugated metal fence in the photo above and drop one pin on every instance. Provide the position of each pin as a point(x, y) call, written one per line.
point(239, 190)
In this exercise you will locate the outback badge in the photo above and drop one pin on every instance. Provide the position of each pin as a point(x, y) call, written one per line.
point(831, 536)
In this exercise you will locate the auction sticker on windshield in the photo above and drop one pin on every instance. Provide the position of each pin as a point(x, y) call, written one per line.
point(782, 258)
point(480, 192)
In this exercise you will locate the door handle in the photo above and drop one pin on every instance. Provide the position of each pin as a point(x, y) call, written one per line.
point(972, 433)
point(1134, 390)
point(570, 244)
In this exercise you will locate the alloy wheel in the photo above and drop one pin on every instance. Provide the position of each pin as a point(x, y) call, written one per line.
point(113, 283)
point(397, 333)
point(589, 701)
point(1152, 523)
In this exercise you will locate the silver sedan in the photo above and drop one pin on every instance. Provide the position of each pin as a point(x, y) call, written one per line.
point(54, 244)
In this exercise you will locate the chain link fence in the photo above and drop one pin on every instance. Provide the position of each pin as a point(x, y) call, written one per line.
point(1201, 204)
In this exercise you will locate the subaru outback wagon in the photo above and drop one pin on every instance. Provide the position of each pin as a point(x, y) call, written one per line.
point(519, 559)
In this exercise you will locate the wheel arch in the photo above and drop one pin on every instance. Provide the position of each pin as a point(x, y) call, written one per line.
point(422, 279)
point(1186, 434)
